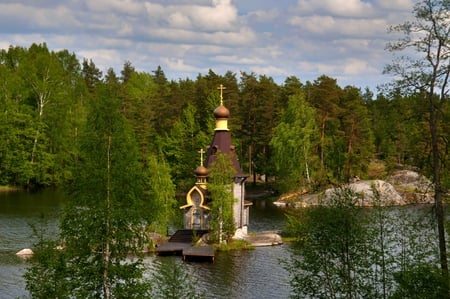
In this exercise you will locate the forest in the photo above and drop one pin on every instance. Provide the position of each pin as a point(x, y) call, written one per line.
point(298, 134)
point(121, 143)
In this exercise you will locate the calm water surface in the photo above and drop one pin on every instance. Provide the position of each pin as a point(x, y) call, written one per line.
point(243, 274)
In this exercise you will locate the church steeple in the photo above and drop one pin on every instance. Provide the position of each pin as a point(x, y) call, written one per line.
point(198, 199)
point(222, 137)
point(201, 172)
point(221, 113)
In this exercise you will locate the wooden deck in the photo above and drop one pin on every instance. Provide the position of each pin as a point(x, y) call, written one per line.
point(197, 253)
point(172, 248)
point(181, 244)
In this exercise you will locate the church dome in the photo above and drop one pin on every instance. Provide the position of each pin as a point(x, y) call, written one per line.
point(201, 171)
point(221, 112)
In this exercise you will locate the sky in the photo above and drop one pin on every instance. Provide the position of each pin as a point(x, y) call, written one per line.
point(343, 39)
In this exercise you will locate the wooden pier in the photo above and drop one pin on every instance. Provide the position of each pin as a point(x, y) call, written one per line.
point(181, 243)
point(198, 253)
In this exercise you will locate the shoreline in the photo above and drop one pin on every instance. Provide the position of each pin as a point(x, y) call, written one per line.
point(8, 189)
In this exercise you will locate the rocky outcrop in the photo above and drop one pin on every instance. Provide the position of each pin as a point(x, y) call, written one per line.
point(412, 186)
point(401, 188)
point(268, 238)
point(366, 196)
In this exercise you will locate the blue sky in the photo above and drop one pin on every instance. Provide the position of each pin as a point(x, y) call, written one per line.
point(343, 39)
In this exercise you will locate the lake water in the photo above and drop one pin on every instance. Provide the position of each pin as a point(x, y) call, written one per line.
point(241, 274)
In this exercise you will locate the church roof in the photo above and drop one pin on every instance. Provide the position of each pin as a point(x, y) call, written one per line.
point(201, 171)
point(222, 142)
point(221, 112)
point(222, 138)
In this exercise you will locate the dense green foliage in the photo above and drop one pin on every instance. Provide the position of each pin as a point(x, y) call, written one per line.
point(292, 144)
point(220, 186)
point(333, 259)
point(105, 218)
point(117, 141)
point(45, 96)
point(345, 251)
point(426, 74)
point(161, 194)
point(172, 281)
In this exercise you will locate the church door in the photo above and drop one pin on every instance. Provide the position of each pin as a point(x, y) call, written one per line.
point(197, 219)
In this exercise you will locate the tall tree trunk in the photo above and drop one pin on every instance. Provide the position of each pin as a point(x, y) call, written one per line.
point(349, 152)
point(308, 179)
point(322, 141)
point(41, 104)
point(438, 192)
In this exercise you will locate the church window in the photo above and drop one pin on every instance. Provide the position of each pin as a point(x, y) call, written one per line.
point(196, 198)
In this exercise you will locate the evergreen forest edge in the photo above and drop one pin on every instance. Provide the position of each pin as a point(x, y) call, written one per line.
point(342, 131)
point(167, 122)
point(312, 135)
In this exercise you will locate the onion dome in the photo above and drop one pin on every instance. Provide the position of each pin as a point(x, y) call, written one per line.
point(221, 112)
point(201, 171)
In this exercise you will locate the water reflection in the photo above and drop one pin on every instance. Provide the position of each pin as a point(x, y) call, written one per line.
point(18, 211)
point(242, 274)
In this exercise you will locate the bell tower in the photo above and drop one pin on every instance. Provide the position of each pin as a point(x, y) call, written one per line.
point(222, 143)
point(197, 207)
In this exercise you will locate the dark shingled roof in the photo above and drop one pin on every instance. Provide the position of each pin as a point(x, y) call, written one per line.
point(222, 142)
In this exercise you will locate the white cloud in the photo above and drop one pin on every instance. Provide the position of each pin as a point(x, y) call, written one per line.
point(307, 38)
point(128, 7)
point(177, 64)
point(328, 25)
point(400, 5)
point(221, 15)
point(270, 69)
point(103, 58)
point(343, 8)
point(264, 15)
point(207, 50)
point(155, 11)
point(357, 67)
point(234, 59)
point(179, 20)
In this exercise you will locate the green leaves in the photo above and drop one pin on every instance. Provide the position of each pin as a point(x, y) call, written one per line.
point(292, 142)
point(345, 251)
point(172, 281)
point(221, 174)
point(104, 221)
point(330, 258)
point(161, 193)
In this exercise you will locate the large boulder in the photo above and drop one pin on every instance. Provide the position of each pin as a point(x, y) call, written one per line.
point(25, 253)
point(364, 191)
point(400, 188)
point(412, 186)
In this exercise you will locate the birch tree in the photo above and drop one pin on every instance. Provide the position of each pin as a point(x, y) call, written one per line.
point(292, 143)
point(424, 68)
point(102, 229)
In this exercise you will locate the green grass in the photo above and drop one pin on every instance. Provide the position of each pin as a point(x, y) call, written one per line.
point(234, 245)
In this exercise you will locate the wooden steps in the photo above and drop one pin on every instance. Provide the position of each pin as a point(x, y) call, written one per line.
point(186, 235)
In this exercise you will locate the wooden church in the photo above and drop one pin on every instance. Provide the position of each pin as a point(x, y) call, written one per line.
point(198, 202)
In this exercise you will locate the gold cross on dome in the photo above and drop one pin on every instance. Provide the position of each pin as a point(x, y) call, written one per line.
point(221, 87)
point(201, 151)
